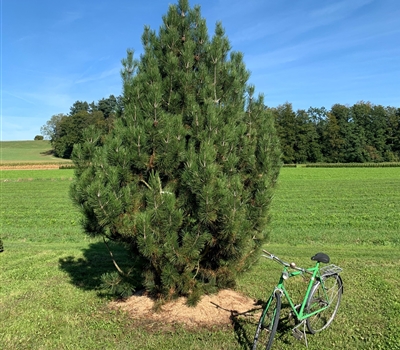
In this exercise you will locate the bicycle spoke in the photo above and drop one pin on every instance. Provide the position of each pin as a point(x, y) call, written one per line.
point(326, 294)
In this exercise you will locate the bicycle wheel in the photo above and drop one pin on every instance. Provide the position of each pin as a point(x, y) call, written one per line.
point(268, 323)
point(331, 288)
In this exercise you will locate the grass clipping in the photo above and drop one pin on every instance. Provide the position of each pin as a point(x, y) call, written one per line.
point(217, 309)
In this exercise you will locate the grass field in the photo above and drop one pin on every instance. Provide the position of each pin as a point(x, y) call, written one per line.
point(338, 206)
point(12, 152)
point(50, 294)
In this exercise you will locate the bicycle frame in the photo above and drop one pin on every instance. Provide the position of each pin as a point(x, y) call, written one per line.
point(315, 275)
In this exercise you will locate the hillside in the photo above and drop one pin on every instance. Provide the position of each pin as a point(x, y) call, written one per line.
point(20, 152)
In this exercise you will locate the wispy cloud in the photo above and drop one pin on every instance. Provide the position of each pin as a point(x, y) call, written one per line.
point(26, 38)
point(68, 18)
point(99, 76)
point(20, 128)
point(303, 19)
point(18, 97)
point(49, 98)
point(309, 52)
point(338, 10)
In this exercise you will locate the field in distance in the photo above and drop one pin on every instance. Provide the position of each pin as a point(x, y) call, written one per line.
point(27, 152)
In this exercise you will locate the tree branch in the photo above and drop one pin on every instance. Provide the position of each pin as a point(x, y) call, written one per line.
point(112, 257)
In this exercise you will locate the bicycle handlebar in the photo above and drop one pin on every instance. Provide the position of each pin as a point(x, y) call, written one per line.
point(274, 257)
point(284, 263)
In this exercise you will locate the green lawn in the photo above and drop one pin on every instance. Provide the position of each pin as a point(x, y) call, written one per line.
point(27, 151)
point(50, 294)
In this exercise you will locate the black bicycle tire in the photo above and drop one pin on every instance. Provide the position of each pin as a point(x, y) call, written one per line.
point(314, 296)
point(275, 321)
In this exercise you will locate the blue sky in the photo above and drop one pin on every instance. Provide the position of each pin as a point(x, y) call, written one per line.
point(306, 52)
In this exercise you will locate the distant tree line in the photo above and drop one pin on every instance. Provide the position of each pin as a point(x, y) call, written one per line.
point(65, 130)
point(361, 133)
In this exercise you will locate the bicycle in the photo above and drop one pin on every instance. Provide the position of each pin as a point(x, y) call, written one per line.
point(318, 308)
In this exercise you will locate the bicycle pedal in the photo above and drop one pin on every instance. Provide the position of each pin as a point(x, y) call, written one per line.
point(298, 334)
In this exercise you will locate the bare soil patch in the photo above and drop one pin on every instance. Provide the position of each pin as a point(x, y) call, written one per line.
point(30, 167)
point(216, 309)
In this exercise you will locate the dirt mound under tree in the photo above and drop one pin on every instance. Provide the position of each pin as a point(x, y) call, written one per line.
point(216, 309)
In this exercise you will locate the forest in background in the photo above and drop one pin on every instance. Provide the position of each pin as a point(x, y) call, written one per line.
point(360, 133)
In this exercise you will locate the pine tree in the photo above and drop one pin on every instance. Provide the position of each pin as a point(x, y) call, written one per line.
point(186, 177)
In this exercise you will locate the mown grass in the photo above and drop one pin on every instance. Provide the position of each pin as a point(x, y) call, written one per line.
point(30, 175)
point(12, 152)
point(50, 288)
point(337, 206)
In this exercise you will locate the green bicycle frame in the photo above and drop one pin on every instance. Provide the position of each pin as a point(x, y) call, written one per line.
point(315, 276)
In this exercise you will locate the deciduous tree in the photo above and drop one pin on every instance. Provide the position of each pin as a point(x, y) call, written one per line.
point(49, 130)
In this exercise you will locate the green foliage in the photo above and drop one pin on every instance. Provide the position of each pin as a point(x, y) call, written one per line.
point(69, 166)
point(1, 245)
point(298, 135)
point(79, 106)
point(64, 131)
point(116, 285)
point(186, 176)
point(70, 130)
point(361, 133)
point(38, 138)
point(49, 130)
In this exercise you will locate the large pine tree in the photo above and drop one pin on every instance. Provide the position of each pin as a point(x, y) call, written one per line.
point(186, 177)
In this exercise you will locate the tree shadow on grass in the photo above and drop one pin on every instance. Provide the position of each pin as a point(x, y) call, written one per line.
point(86, 273)
point(245, 324)
point(50, 152)
point(244, 331)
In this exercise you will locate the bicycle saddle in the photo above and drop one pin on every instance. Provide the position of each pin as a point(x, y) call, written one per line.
point(321, 257)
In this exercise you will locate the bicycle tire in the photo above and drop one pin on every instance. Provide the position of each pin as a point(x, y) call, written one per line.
point(333, 286)
point(268, 323)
